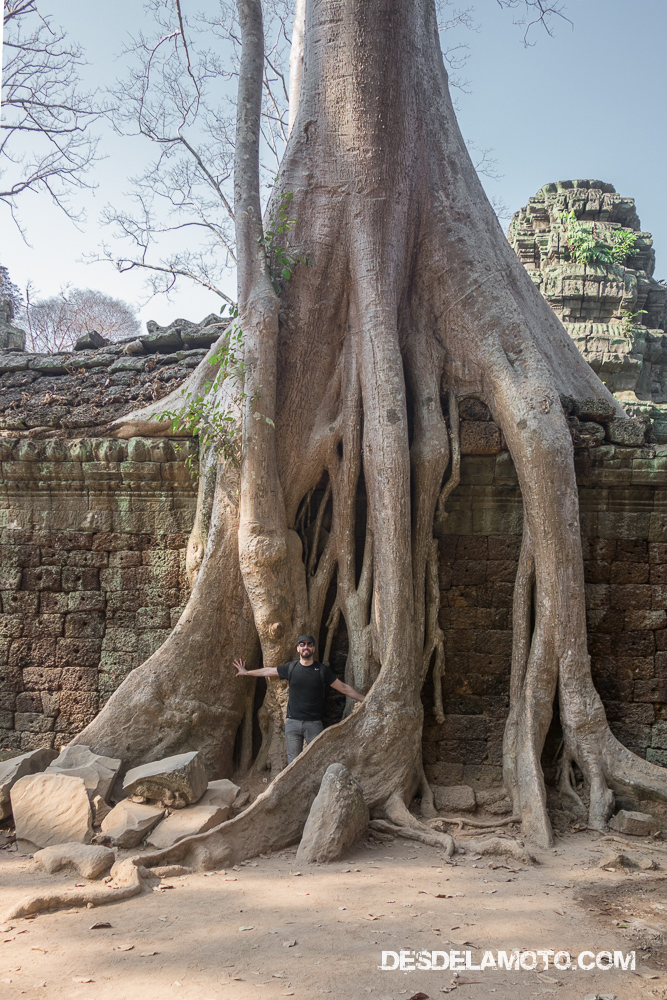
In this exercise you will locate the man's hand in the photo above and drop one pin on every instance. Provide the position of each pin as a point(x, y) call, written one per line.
point(260, 672)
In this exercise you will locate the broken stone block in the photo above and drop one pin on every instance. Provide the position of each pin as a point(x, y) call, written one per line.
point(337, 819)
point(17, 767)
point(186, 823)
point(634, 824)
point(52, 809)
point(129, 822)
point(98, 773)
point(627, 431)
point(454, 798)
point(175, 781)
point(100, 810)
point(90, 341)
point(219, 793)
point(90, 861)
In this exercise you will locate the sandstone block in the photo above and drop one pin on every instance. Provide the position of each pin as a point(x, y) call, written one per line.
point(494, 800)
point(337, 818)
point(129, 822)
point(219, 793)
point(480, 438)
point(615, 860)
point(89, 860)
point(17, 767)
point(454, 798)
point(186, 823)
point(176, 781)
point(627, 432)
point(98, 773)
point(634, 824)
point(594, 409)
point(51, 809)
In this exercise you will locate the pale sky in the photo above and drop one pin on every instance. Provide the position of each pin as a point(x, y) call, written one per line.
point(588, 102)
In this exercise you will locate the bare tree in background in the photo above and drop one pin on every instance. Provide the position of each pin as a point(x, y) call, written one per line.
point(45, 139)
point(54, 324)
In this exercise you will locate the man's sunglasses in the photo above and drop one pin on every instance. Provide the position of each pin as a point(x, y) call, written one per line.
point(310, 644)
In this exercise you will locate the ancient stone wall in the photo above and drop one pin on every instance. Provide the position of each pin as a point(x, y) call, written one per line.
point(623, 500)
point(92, 579)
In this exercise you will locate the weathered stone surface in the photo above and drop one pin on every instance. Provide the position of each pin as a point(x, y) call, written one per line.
point(454, 798)
point(630, 433)
point(98, 773)
point(90, 341)
point(129, 822)
point(337, 817)
point(494, 800)
point(219, 793)
point(480, 437)
point(11, 337)
point(52, 809)
point(598, 410)
point(89, 860)
point(17, 767)
point(634, 824)
point(100, 809)
point(186, 823)
point(614, 860)
point(175, 781)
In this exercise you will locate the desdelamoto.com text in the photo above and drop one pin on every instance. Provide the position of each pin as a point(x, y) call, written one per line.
point(515, 960)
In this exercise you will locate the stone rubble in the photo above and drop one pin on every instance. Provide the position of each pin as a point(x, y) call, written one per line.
point(129, 822)
point(186, 823)
point(454, 799)
point(337, 819)
point(634, 824)
point(174, 781)
point(220, 793)
point(17, 767)
point(89, 860)
point(52, 809)
point(98, 773)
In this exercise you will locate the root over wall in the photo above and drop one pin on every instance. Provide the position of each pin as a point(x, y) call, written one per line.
point(93, 578)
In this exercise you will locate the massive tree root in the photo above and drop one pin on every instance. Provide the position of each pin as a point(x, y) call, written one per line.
point(412, 299)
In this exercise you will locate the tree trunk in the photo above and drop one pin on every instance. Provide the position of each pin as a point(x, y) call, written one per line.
point(412, 298)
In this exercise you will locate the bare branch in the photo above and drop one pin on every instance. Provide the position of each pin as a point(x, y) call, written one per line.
point(537, 12)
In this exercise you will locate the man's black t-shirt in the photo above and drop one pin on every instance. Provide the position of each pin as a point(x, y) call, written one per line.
point(306, 689)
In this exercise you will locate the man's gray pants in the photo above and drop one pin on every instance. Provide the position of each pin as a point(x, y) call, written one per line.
point(297, 733)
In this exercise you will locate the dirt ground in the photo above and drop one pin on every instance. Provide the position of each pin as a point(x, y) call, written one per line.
point(266, 929)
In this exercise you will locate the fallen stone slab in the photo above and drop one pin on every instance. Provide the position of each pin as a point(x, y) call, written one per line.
point(220, 793)
point(337, 819)
point(186, 823)
point(174, 781)
point(129, 822)
point(454, 798)
point(18, 767)
point(98, 773)
point(634, 824)
point(52, 809)
point(88, 859)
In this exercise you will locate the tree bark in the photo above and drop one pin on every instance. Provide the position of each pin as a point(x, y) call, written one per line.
point(412, 298)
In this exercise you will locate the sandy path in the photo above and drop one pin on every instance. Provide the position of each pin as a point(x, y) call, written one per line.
point(216, 936)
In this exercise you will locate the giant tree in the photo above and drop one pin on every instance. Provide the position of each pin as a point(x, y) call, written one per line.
point(410, 298)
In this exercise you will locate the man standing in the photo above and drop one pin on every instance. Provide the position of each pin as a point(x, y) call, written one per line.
point(308, 681)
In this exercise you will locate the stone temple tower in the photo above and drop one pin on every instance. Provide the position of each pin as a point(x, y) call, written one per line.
point(615, 313)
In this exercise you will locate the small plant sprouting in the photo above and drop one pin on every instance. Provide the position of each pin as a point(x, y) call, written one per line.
point(587, 246)
point(281, 260)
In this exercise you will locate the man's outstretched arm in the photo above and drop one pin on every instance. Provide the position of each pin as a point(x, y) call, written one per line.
point(260, 672)
point(347, 690)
